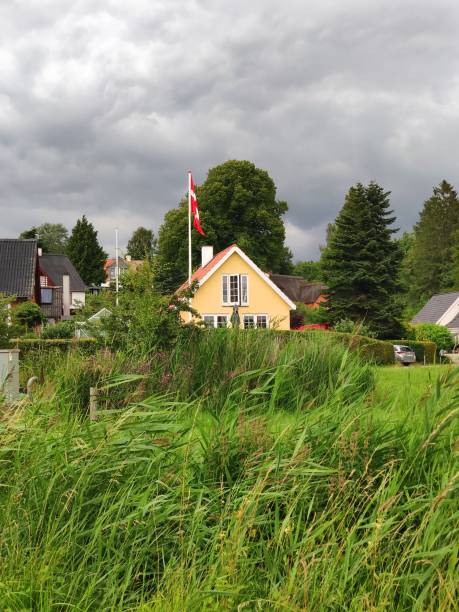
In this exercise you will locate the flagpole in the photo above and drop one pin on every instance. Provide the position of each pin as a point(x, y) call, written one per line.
point(117, 268)
point(189, 228)
point(189, 238)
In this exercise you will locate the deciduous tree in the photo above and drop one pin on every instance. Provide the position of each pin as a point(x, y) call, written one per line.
point(141, 243)
point(237, 203)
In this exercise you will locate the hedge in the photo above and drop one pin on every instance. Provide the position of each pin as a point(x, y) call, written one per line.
point(87, 345)
point(421, 348)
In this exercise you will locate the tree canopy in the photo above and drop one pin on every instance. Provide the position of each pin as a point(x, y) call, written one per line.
point(237, 203)
point(434, 246)
point(361, 262)
point(52, 237)
point(86, 254)
point(310, 270)
point(141, 243)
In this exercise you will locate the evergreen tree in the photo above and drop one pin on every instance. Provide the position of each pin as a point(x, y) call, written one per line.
point(141, 244)
point(361, 262)
point(309, 270)
point(85, 252)
point(434, 242)
point(237, 203)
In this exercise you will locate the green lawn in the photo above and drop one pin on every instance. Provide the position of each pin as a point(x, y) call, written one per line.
point(402, 389)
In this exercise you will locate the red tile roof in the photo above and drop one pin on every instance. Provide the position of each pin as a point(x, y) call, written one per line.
point(203, 270)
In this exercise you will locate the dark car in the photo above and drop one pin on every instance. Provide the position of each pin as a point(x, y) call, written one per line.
point(404, 354)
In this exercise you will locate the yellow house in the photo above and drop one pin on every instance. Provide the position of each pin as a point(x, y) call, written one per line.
point(231, 279)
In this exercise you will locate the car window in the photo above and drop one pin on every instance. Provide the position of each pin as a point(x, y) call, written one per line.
point(406, 348)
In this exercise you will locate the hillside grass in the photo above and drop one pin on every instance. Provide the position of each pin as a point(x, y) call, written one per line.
point(285, 484)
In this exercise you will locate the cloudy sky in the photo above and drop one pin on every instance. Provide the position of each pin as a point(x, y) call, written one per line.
point(104, 104)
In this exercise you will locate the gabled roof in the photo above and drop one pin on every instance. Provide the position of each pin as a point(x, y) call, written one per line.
point(18, 265)
point(203, 273)
point(436, 307)
point(297, 289)
point(56, 265)
point(122, 263)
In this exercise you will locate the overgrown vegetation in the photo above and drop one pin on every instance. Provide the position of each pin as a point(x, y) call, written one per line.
point(241, 470)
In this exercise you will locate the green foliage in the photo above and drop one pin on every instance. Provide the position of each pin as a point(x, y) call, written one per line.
point(309, 270)
point(361, 263)
point(439, 334)
point(28, 315)
point(380, 352)
point(166, 504)
point(141, 244)
point(303, 315)
point(144, 320)
point(352, 327)
point(63, 329)
point(434, 242)
point(237, 204)
point(52, 237)
point(85, 252)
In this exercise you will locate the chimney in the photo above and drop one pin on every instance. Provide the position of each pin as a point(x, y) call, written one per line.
point(66, 297)
point(40, 251)
point(207, 253)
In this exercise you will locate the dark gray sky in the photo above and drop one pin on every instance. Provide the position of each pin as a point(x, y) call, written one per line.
point(104, 104)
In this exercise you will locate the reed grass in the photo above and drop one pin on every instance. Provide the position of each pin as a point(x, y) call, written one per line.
point(264, 480)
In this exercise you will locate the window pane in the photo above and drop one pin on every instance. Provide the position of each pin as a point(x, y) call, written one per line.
point(222, 321)
point(46, 296)
point(209, 320)
point(225, 288)
point(244, 287)
point(249, 321)
point(262, 321)
point(234, 288)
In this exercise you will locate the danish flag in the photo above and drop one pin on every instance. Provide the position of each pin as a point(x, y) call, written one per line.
point(194, 207)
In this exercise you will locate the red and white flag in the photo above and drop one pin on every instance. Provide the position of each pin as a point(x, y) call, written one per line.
point(194, 207)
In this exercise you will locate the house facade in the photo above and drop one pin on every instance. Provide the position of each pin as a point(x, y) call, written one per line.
point(231, 280)
point(443, 309)
point(57, 271)
point(124, 264)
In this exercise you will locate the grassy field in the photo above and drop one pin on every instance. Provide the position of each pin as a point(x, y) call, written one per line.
point(301, 480)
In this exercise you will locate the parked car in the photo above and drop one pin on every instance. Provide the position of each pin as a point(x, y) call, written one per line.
point(404, 354)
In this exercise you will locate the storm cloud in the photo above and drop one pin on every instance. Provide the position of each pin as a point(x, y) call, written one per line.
point(104, 105)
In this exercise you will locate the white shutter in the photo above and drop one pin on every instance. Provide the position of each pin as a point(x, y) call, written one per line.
point(225, 283)
point(244, 289)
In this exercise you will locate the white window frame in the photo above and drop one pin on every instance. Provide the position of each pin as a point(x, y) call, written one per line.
point(255, 320)
point(215, 318)
point(226, 282)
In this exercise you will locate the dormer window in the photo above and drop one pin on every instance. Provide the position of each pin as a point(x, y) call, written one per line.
point(235, 289)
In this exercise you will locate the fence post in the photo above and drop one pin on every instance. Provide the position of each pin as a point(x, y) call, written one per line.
point(93, 403)
point(30, 384)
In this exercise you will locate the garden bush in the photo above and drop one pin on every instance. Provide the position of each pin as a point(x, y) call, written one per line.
point(439, 334)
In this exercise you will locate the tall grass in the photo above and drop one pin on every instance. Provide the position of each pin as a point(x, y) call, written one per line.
point(170, 504)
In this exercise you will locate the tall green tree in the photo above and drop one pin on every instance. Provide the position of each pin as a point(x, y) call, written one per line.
point(52, 237)
point(310, 270)
point(361, 262)
point(237, 203)
point(434, 242)
point(86, 254)
point(141, 243)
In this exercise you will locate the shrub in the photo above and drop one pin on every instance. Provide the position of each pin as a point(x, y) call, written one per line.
point(346, 326)
point(28, 315)
point(63, 329)
point(435, 333)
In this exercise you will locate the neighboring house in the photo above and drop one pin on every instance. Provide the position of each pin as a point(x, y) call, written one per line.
point(298, 290)
point(123, 266)
point(19, 274)
point(231, 278)
point(61, 273)
point(443, 309)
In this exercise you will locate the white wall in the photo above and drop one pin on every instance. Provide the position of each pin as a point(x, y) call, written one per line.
point(78, 298)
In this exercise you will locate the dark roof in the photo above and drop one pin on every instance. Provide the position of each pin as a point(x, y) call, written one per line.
point(297, 289)
point(55, 266)
point(18, 263)
point(435, 307)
